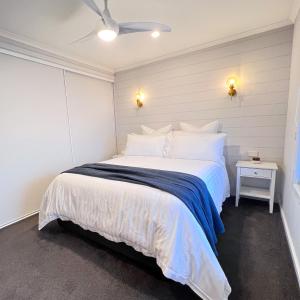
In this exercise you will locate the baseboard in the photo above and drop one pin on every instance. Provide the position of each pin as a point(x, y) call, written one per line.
point(19, 219)
point(291, 245)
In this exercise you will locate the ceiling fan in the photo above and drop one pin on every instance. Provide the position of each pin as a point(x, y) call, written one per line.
point(111, 29)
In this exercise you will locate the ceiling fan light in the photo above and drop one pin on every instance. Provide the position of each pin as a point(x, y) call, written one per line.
point(155, 34)
point(107, 35)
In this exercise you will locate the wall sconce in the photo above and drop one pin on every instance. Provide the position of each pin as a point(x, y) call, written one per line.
point(139, 97)
point(231, 85)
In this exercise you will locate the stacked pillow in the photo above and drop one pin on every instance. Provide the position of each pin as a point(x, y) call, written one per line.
point(151, 143)
point(212, 127)
point(202, 146)
point(163, 130)
point(191, 142)
point(145, 145)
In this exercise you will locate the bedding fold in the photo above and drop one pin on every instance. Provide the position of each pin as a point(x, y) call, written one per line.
point(190, 189)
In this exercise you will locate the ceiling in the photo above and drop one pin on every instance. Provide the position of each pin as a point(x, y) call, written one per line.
point(54, 24)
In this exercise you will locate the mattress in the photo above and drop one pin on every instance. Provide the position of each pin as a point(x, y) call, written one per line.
point(151, 221)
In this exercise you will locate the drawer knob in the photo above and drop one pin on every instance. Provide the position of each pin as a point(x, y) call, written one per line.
point(255, 173)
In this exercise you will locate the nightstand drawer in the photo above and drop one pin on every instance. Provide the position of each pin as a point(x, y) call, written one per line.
point(259, 173)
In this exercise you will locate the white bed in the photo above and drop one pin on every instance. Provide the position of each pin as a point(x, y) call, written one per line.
point(153, 222)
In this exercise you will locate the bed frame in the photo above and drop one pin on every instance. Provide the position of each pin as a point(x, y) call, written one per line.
point(120, 248)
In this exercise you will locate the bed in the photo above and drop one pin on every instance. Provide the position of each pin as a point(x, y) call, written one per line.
point(152, 221)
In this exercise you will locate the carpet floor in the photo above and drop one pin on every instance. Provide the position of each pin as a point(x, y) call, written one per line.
point(54, 264)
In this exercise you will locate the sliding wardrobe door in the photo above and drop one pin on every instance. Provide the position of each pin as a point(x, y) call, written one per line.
point(91, 115)
point(34, 135)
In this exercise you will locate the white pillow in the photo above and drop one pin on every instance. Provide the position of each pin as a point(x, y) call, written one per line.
point(145, 145)
point(204, 146)
point(163, 130)
point(212, 127)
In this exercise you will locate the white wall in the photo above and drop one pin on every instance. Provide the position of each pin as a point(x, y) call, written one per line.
point(92, 120)
point(35, 141)
point(291, 201)
point(192, 88)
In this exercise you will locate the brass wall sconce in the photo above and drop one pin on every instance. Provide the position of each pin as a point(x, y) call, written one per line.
point(139, 97)
point(231, 85)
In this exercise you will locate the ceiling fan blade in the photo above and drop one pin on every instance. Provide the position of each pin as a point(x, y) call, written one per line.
point(104, 15)
point(132, 27)
point(93, 6)
point(86, 37)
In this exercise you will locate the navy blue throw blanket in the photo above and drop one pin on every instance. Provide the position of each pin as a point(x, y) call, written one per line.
point(191, 190)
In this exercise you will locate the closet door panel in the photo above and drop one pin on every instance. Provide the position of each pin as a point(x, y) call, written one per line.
point(34, 135)
point(92, 121)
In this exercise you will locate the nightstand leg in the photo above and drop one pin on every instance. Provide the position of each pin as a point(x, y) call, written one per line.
point(238, 185)
point(272, 191)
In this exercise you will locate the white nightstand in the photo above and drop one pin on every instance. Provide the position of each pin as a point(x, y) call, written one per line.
point(264, 170)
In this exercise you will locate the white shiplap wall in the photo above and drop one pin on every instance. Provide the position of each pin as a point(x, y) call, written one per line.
point(192, 88)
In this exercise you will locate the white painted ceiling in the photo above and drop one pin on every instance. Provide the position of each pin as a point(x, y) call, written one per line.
point(54, 24)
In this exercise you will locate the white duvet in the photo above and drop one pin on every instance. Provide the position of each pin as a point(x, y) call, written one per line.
point(153, 222)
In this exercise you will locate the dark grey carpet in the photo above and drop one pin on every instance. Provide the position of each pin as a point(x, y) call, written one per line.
point(53, 264)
